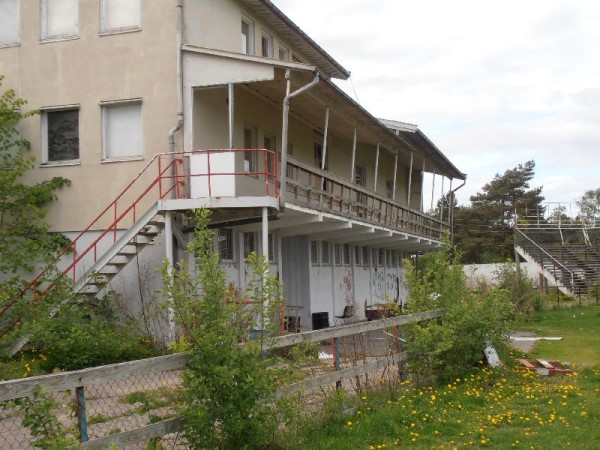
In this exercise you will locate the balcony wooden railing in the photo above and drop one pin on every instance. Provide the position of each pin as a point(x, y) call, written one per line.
point(318, 189)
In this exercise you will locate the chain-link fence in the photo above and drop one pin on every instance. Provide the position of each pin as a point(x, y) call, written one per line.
point(130, 404)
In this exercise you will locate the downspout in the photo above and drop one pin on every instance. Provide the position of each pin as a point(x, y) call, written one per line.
point(179, 124)
point(284, 135)
point(451, 214)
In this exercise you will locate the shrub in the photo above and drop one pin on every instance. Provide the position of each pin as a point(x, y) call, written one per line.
point(523, 295)
point(447, 347)
point(229, 384)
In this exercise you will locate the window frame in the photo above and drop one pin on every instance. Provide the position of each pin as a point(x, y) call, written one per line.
point(251, 157)
point(44, 36)
point(228, 237)
point(105, 30)
point(45, 141)
point(105, 106)
point(268, 39)
point(247, 241)
point(357, 255)
point(17, 42)
point(314, 253)
point(249, 40)
point(346, 255)
point(281, 49)
point(325, 253)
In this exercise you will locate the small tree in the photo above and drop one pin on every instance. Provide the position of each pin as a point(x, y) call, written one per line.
point(589, 206)
point(229, 384)
point(447, 347)
point(25, 239)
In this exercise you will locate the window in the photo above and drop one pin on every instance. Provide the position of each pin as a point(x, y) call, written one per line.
point(269, 144)
point(59, 19)
point(60, 135)
point(9, 22)
point(122, 130)
point(360, 180)
point(249, 243)
point(389, 188)
point(346, 254)
point(247, 37)
point(391, 258)
point(337, 254)
point(365, 256)
point(381, 257)
point(266, 44)
point(120, 15)
point(271, 241)
point(284, 53)
point(357, 256)
point(225, 244)
point(325, 253)
point(314, 253)
point(250, 157)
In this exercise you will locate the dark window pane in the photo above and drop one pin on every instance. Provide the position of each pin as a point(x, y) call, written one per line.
point(63, 135)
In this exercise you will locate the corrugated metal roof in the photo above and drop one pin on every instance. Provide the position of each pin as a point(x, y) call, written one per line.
point(272, 16)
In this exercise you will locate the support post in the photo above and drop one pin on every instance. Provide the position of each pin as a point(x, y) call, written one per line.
point(410, 170)
point(324, 155)
point(395, 175)
point(423, 186)
point(169, 255)
point(231, 100)
point(352, 171)
point(376, 168)
point(81, 414)
point(265, 233)
point(337, 364)
point(432, 190)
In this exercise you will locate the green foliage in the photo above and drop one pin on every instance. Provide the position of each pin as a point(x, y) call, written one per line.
point(25, 241)
point(483, 231)
point(445, 348)
point(589, 206)
point(47, 431)
point(229, 384)
point(523, 295)
point(71, 332)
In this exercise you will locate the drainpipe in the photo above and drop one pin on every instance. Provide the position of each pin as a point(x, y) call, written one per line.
point(451, 214)
point(284, 134)
point(179, 124)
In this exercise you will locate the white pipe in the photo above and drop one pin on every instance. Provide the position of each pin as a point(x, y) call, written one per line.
point(376, 168)
point(324, 152)
point(410, 171)
point(352, 171)
point(395, 175)
point(265, 233)
point(231, 111)
point(284, 134)
point(179, 125)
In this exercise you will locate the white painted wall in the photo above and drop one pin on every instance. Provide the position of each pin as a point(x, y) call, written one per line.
point(487, 272)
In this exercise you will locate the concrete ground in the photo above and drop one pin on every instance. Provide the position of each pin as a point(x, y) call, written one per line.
point(523, 345)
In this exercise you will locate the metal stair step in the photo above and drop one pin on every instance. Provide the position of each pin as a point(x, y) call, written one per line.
point(119, 259)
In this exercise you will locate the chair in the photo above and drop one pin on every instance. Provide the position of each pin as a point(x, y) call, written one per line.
point(347, 314)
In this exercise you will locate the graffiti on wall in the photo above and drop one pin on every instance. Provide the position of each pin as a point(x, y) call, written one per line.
point(346, 287)
point(392, 286)
point(378, 285)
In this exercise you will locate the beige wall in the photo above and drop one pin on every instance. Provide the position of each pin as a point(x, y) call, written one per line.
point(201, 15)
point(85, 72)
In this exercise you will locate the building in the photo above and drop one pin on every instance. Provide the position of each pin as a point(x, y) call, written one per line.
point(332, 195)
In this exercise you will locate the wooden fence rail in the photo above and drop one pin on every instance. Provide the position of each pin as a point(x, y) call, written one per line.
point(80, 379)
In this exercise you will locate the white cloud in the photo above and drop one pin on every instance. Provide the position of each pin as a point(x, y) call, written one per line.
point(492, 84)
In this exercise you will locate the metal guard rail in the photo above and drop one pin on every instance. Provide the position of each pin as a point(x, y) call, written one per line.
point(141, 192)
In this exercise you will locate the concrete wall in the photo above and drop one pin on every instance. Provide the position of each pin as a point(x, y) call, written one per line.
point(487, 272)
point(86, 71)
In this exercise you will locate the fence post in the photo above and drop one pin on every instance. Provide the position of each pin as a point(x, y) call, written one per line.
point(557, 298)
point(337, 364)
point(398, 350)
point(81, 414)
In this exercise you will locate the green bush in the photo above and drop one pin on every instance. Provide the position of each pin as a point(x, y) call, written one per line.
point(445, 348)
point(229, 384)
point(525, 298)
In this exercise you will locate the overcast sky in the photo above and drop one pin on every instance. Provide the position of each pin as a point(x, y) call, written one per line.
point(493, 84)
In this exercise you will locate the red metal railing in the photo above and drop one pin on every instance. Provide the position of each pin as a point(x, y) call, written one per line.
point(167, 174)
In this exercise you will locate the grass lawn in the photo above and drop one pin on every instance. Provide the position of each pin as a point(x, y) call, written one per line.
point(580, 332)
point(505, 408)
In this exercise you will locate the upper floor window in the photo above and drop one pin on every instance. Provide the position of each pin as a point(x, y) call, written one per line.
point(266, 43)
point(247, 37)
point(250, 156)
point(59, 19)
point(389, 188)
point(122, 130)
point(120, 15)
point(60, 135)
point(9, 22)
point(284, 53)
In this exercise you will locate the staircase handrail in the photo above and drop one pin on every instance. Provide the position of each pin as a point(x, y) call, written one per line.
point(175, 158)
point(554, 260)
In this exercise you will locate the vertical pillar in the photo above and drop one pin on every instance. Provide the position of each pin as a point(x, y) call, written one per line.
point(169, 255)
point(265, 233)
point(423, 186)
point(324, 155)
point(352, 171)
point(81, 414)
point(376, 168)
point(432, 190)
point(410, 170)
point(231, 99)
point(395, 175)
